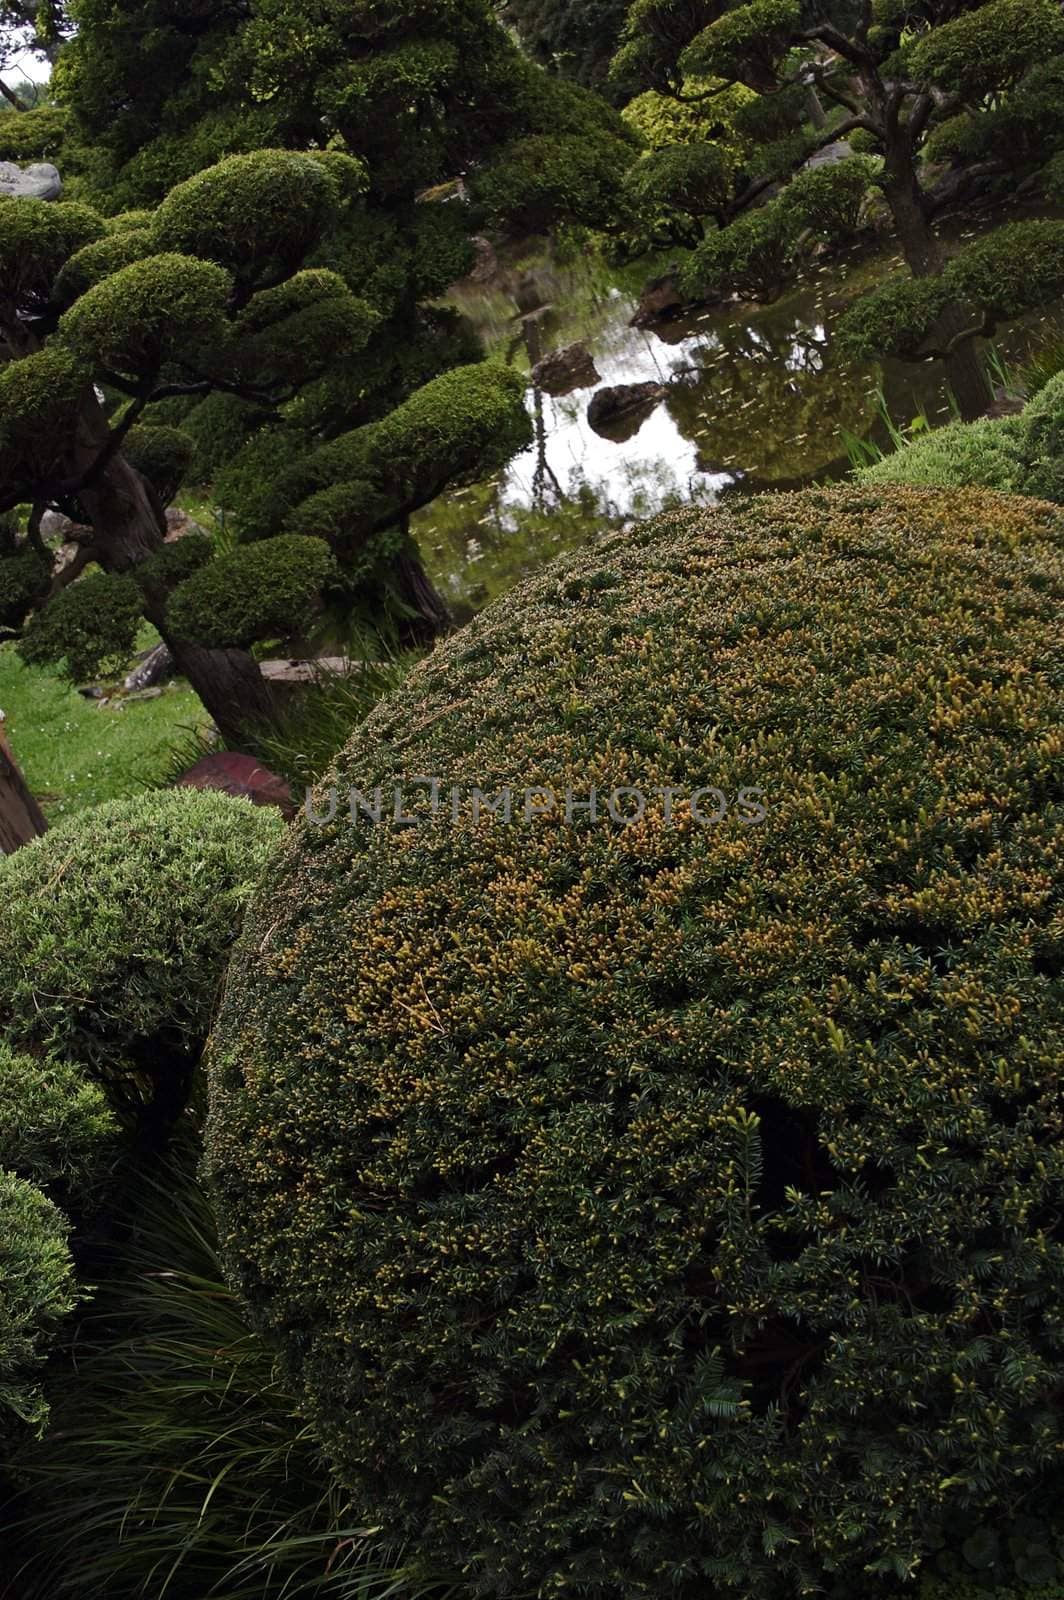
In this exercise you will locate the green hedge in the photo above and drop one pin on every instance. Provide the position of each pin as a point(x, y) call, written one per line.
point(115, 927)
point(36, 1292)
point(668, 1208)
point(55, 1127)
point(1019, 455)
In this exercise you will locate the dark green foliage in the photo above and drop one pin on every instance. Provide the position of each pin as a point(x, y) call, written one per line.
point(751, 256)
point(39, 400)
point(745, 45)
point(149, 312)
point(36, 238)
point(693, 178)
point(575, 40)
point(989, 48)
point(164, 455)
point(175, 562)
point(36, 1292)
point(896, 318)
point(1017, 268)
point(168, 1372)
point(91, 627)
point(452, 430)
point(675, 1208)
point(251, 213)
point(265, 590)
point(115, 926)
point(35, 135)
point(55, 1127)
point(98, 260)
point(536, 178)
point(24, 581)
point(829, 199)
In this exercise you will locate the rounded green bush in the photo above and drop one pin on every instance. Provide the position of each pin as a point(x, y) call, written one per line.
point(90, 627)
point(257, 591)
point(988, 454)
point(175, 562)
point(99, 260)
point(644, 1207)
point(36, 1292)
point(163, 454)
point(115, 926)
point(250, 211)
point(147, 312)
point(40, 396)
point(1043, 421)
point(55, 1126)
point(24, 580)
point(35, 135)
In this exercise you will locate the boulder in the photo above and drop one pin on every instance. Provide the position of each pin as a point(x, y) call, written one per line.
point(486, 266)
point(179, 524)
point(154, 667)
point(39, 181)
point(242, 776)
point(564, 370)
point(620, 403)
point(661, 301)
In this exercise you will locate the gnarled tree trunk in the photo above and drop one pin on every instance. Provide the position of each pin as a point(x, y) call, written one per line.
point(129, 526)
point(965, 369)
point(21, 818)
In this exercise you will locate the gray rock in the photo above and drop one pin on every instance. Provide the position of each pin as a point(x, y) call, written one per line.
point(179, 524)
point(564, 370)
point(39, 181)
point(622, 402)
point(156, 666)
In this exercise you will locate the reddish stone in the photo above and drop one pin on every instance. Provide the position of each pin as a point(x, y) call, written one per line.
point(242, 776)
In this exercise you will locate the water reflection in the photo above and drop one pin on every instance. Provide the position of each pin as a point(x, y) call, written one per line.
point(755, 399)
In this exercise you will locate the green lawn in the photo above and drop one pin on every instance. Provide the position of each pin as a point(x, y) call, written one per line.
point(73, 753)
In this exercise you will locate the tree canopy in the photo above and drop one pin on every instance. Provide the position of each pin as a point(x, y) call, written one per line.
point(946, 103)
point(264, 217)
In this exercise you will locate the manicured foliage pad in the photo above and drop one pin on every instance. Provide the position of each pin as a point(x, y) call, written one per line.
point(647, 1209)
point(115, 926)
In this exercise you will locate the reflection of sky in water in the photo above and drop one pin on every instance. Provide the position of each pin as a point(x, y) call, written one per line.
point(754, 398)
point(657, 459)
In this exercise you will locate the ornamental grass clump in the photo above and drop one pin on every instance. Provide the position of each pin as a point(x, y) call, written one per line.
point(676, 1207)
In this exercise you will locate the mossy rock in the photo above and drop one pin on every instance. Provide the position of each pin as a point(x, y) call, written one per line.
point(630, 1201)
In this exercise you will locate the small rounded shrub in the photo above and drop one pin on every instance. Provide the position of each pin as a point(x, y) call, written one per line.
point(24, 581)
point(250, 211)
point(163, 454)
point(55, 1126)
point(987, 454)
point(1043, 421)
point(147, 312)
point(36, 1292)
point(115, 926)
point(663, 1207)
point(257, 591)
point(90, 627)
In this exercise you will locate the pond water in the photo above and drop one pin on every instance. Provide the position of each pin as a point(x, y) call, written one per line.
point(755, 399)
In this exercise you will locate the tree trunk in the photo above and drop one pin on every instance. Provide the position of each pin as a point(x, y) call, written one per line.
point(129, 526)
point(965, 368)
point(417, 592)
point(21, 818)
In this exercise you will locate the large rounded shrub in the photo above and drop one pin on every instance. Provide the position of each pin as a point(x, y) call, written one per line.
point(116, 925)
point(646, 1209)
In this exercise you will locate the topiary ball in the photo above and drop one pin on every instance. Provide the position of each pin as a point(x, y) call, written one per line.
point(37, 1290)
point(663, 1207)
point(55, 1127)
point(115, 927)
